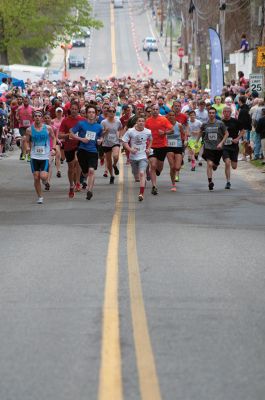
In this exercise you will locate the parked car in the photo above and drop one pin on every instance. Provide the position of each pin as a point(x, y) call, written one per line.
point(85, 32)
point(78, 41)
point(76, 61)
point(151, 43)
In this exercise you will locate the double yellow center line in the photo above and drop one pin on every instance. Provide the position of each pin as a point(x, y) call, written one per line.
point(110, 379)
point(110, 382)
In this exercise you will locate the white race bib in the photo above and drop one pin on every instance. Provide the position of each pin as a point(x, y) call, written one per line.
point(112, 137)
point(172, 143)
point(26, 122)
point(90, 135)
point(229, 141)
point(140, 148)
point(212, 136)
point(40, 149)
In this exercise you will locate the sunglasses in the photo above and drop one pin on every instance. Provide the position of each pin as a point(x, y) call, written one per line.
point(112, 111)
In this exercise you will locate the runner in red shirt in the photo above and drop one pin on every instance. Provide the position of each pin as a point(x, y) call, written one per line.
point(70, 147)
point(160, 127)
point(24, 115)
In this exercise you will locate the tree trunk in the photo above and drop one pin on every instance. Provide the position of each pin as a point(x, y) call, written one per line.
point(4, 57)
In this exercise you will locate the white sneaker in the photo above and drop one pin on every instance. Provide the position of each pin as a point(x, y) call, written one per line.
point(40, 200)
point(242, 158)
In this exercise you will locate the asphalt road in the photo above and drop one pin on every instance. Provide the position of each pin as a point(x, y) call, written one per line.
point(113, 299)
point(122, 46)
point(184, 300)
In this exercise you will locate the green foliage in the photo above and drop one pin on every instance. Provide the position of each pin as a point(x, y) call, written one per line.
point(41, 23)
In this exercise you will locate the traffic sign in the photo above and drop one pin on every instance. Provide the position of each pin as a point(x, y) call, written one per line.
point(256, 82)
point(181, 52)
point(261, 57)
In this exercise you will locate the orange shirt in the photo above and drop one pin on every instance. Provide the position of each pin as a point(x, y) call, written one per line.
point(156, 124)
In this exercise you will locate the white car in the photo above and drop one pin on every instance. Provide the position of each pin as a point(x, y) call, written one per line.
point(85, 32)
point(151, 43)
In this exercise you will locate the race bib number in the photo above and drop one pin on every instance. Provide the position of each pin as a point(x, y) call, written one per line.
point(229, 141)
point(26, 122)
point(112, 137)
point(172, 143)
point(90, 135)
point(140, 148)
point(212, 136)
point(40, 149)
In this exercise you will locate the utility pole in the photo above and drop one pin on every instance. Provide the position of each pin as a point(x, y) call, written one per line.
point(196, 53)
point(222, 9)
point(171, 32)
point(162, 17)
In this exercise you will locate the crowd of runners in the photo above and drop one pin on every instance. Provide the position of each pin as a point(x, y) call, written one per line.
point(89, 123)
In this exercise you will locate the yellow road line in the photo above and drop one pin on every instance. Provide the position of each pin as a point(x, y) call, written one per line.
point(113, 41)
point(110, 380)
point(148, 380)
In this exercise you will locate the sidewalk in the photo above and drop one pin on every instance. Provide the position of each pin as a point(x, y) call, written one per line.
point(56, 64)
point(176, 74)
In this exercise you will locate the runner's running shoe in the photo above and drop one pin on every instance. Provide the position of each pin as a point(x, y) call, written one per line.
point(77, 187)
point(89, 195)
point(211, 186)
point(154, 191)
point(71, 193)
point(116, 170)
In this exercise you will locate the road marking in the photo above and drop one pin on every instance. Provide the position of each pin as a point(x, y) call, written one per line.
point(113, 41)
point(110, 380)
point(148, 380)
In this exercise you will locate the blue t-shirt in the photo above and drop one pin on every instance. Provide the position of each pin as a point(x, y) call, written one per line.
point(91, 131)
point(164, 110)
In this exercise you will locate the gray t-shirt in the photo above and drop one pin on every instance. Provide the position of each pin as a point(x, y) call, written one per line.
point(112, 137)
point(212, 134)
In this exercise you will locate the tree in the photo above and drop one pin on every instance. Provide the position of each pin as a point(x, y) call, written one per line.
point(39, 24)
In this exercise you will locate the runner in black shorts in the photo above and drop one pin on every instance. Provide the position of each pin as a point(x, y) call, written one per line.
point(214, 134)
point(160, 127)
point(174, 149)
point(88, 133)
point(231, 148)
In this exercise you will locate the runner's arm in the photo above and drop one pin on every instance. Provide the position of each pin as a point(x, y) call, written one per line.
point(240, 135)
point(220, 145)
point(28, 138)
point(52, 135)
point(128, 147)
point(72, 135)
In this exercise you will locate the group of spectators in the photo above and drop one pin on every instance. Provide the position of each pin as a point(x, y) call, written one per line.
point(130, 96)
